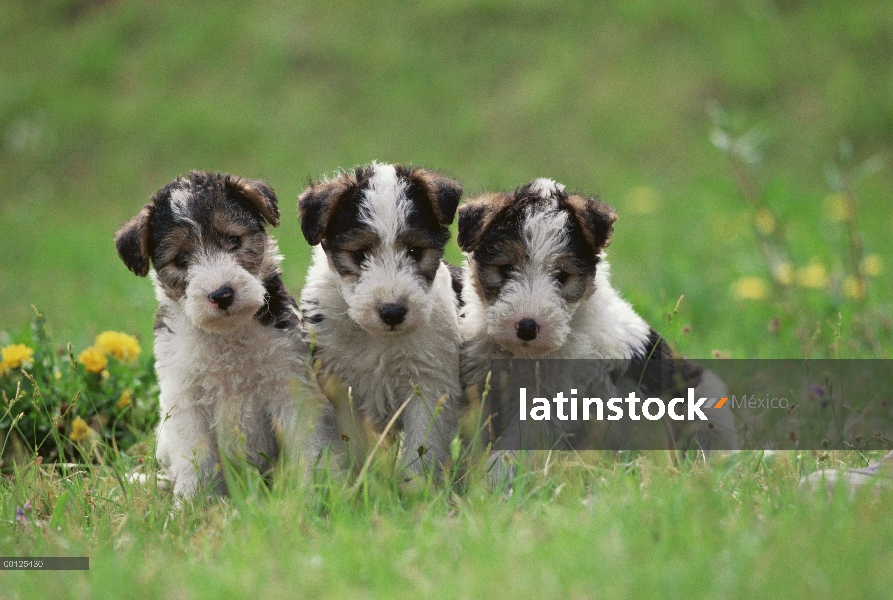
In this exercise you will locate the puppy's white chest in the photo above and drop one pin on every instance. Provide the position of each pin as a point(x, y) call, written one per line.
point(230, 378)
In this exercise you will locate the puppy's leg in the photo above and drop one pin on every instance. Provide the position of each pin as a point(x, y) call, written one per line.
point(305, 428)
point(188, 453)
point(428, 428)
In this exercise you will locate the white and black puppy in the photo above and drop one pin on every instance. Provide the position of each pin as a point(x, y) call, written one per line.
point(537, 286)
point(228, 348)
point(379, 304)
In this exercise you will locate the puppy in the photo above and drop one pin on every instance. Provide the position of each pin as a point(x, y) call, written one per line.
point(537, 286)
point(379, 306)
point(228, 347)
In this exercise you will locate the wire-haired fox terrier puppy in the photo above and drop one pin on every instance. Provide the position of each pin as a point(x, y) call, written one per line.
point(537, 286)
point(228, 348)
point(379, 304)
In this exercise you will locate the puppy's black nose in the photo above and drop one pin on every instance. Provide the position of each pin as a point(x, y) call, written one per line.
point(526, 329)
point(392, 314)
point(222, 297)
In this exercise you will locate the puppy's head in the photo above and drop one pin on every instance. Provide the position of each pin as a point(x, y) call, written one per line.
point(204, 235)
point(383, 228)
point(533, 255)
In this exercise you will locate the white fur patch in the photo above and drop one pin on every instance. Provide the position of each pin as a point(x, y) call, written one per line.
point(545, 235)
point(546, 188)
point(180, 207)
point(385, 206)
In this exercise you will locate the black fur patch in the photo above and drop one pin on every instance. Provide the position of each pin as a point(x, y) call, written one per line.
point(310, 312)
point(457, 278)
point(160, 323)
point(132, 241)
point(660, 372)
point(279, 309)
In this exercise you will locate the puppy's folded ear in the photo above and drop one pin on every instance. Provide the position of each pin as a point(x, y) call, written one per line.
point(317, 204)
point(596, 219)
point(132, 241)
point(444, 193)
point(475, 217)
point(256, 195)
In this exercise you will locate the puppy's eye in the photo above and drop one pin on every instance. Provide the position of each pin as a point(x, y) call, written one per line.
point(360, 256)
point(562, 276)
point(505, 270)
point(416, 252)
point(234, 242)
point(181, 261)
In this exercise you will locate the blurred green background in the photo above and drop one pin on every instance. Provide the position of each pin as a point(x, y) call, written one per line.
point(102, 103)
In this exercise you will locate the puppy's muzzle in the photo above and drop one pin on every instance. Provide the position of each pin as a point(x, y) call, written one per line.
point(222, 297)
point(526, 329)
point(392, 314)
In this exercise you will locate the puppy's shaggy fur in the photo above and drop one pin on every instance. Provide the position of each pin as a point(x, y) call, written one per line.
point(379, 305)
point(228, 347)
point(537, 286)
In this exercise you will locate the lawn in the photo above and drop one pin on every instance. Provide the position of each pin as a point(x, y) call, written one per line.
point(745, 145)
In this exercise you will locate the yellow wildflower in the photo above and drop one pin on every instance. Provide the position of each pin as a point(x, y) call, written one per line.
point(14, 356)
point(79, 430)
point(124, 347)
point(854, 288)
point(783, 273)
point(642, 199)
point(872, 265)
point(813, 276)
point(93, 359)
point(765, 222)
point(124, 400)
point(837, 207)
point(751, 288)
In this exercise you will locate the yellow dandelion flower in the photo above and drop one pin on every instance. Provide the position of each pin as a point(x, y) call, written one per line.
point(837, 208)
point(93, 359)
point(783, 273)
point(57, 374)
point(813, 276)
point(854, 288)
point(765, 222)
point(124, 400)
point(642, 199)
point(14, 356)
point(750, 288)
point(872, 265)
point(122, 346)
point(80, 431)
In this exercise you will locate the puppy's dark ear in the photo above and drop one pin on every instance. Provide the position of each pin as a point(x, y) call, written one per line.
point(443, 192)
point(317, 204)
point(256, 195)
point(475, 217)
point(596, 219)
point(132, 241)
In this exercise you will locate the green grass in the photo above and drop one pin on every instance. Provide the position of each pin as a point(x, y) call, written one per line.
point(102, 103)
point(593, 527)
